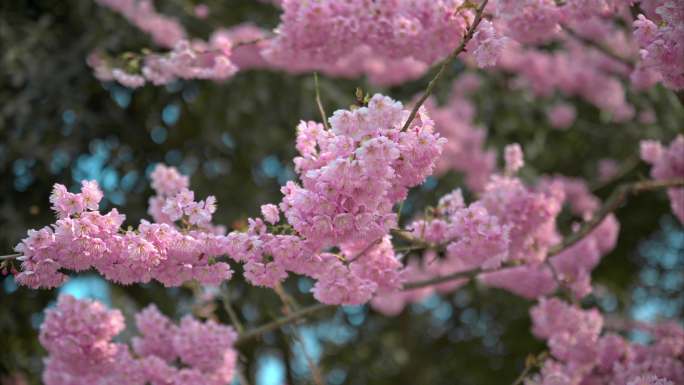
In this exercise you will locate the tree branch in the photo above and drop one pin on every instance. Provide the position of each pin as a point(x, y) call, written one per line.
point(461, 47)
point(613, 202)
point(225, 296)
point(290, 305)
point(468, 274)
point(619, 195)
point(294, 316)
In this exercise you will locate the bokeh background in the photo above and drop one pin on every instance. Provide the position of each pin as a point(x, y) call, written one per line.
point(235, 140)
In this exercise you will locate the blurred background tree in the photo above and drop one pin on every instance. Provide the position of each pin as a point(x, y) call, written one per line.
point(59, 124)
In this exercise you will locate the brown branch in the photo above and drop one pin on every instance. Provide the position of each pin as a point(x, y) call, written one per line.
point(461, 47)
point(619, 195)
point(251, 42)
point(468, 274)
point(531, 362)
point(225, 297)
point(290, 305)
point(294, 316)
point(522, 375)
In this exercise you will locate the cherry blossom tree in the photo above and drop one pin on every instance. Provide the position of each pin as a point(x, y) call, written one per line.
point(339, 221)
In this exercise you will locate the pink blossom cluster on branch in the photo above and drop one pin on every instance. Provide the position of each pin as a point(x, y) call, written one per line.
point(194, 59)
point(393, 41)
point(510, 224)
point(575, 71)
point(186, 59)
point(351, 176)
point(390, 43)
point(572, 266)
point(164, 30)
point(660, 34)
point(78, 337)
point(355, 172)
point(337, 221)
point(83, 238)
point(250, 43)
point(325, 31)
point(582, 354)
point(667, 162)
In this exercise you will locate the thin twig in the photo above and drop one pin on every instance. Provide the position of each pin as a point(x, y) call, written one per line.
point(317, 89)
point(290, 305)
point(468, 274)
point(9, 256)
point(230, 310)
point(522, 375)
point(250, 42)
point(530, 362)
point(292, 317)
point(461, 47)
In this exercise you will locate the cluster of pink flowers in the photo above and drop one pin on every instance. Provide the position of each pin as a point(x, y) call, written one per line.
point(349, 277)
point(487, 45)
point(379, 70)
point(528, 21)
point(187, 60)
point(510, 224)
point(351, 177)
point(325, 31)
point(164, 30)
point(582, 355)
point(78, 337)
point(660, 34)
point(574, 71)
point(667, 162)
point(250, 43)
point(541, 21)
point(394, 41)
point(572, 266)
point(83, 238)
point(175, 202)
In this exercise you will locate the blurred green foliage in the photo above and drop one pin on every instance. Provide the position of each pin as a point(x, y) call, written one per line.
point(235, 139)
